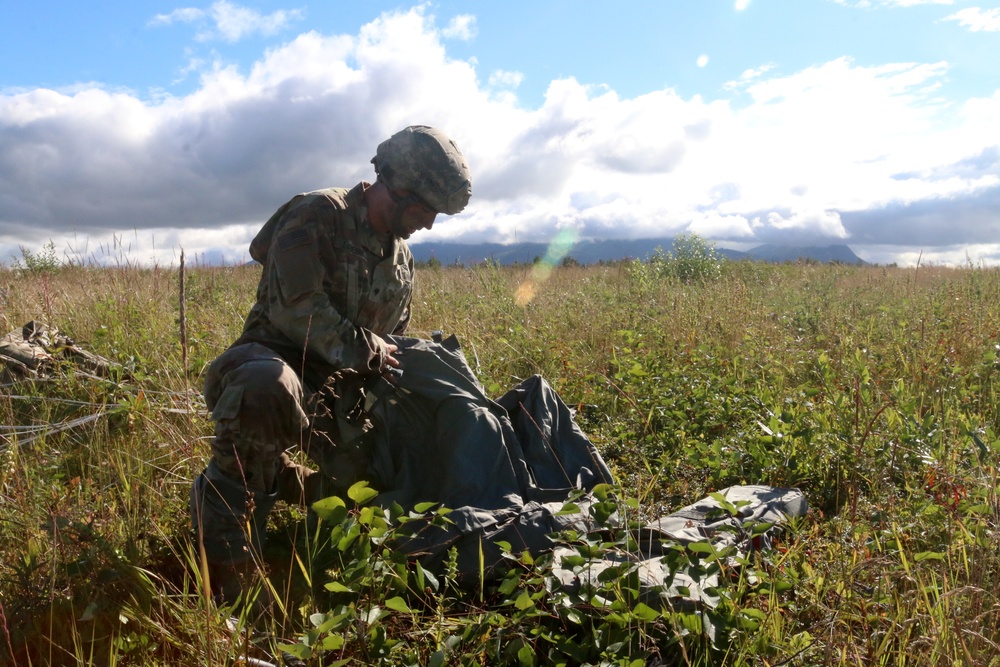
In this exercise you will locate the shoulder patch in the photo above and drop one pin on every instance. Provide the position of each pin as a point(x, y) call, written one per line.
point(293, 238)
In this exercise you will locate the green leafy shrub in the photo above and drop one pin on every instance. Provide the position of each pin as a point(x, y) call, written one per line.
point(690, 259)
point(42, 261)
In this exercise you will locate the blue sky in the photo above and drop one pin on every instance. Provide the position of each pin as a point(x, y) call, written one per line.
point(147, 127)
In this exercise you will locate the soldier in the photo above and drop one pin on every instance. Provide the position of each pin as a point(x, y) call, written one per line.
point(337, 278)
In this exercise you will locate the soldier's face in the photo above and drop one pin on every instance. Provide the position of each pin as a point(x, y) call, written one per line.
point(414, 216)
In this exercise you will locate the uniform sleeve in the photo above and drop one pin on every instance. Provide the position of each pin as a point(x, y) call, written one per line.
point(404, 320)
point(300, 307)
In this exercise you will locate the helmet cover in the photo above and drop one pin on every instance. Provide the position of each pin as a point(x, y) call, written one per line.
point(425, 161)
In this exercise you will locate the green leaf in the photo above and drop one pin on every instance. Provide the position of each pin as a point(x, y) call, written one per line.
point(637, 370)
point(330, 509)
point(509, 585)
point(423, 507)
point(573, 561)
point(602, 491)
point(337, 587)
point(590, 550)
point(300, 651)
point(429, 578)
point(332, 643)
point(645, 613)
point(569, 508)
point(398, 604)
point(524, 601)
point(361, 493)
point(701, 547)
point(332, 621)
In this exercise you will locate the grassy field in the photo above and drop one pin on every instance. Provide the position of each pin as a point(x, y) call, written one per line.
point(874, 390)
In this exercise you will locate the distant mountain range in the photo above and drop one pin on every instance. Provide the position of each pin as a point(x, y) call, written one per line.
point(590, 252)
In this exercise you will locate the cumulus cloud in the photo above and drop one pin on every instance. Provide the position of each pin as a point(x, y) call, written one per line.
point(800, 226)
point(837, 152)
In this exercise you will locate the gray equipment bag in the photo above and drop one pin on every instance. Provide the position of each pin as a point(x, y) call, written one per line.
point(507, 468)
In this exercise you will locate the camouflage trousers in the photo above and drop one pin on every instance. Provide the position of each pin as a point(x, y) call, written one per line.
point(261, 411)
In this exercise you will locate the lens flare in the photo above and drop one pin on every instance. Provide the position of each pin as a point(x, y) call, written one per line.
point(558, 248)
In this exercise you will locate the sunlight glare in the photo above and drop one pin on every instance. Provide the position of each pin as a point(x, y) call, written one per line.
point(558, 248)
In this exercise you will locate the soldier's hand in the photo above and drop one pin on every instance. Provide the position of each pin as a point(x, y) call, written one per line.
point(389, 362)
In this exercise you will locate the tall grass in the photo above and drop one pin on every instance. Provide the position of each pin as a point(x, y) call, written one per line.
point(872, 389)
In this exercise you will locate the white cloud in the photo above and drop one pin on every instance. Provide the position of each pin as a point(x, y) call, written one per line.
point(742, 4)
point(504, 79)
point(229, 21)
point(977, 19)
point(914, 3)
point(462, 27)
point(833, 153)
point(702, 60)
point(748, 75)
point(182, 15)
point(713, 226)
point(235, 22)
point(866, 4)
point(811, 223)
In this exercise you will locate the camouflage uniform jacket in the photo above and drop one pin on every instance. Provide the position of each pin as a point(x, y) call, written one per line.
point(329, 282)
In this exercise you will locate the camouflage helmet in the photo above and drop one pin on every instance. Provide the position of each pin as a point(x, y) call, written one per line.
point(427, 162)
